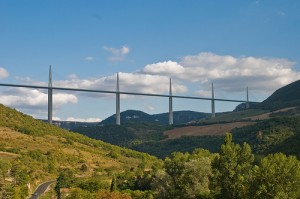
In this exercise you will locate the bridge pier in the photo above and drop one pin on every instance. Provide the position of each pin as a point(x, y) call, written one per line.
point(170, 104)
point(247, 103)
point(50, 97)
point(118, 117)
point(212, 101)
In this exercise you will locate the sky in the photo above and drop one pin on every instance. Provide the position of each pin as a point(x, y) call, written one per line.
point(234, 44)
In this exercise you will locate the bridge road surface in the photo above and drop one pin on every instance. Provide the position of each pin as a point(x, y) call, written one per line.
point(41, 189)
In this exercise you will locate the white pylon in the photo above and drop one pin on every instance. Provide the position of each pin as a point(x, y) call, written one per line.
point(50, 96)
point(118, 118)
point(170, 104)
point(212, 101)
point(247, 103)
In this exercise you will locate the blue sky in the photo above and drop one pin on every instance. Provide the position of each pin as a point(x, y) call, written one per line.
point(231, 43)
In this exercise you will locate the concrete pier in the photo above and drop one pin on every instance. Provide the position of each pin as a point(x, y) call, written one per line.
point(118, 117)
point(212, 101)
point(50, 96)
point(170, 104)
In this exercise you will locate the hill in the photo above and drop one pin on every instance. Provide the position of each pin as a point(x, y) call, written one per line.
point(179, 117)
point(127, 135)
point(72, 125)
point(286, 96)
point(281, 134)
point(34, 151)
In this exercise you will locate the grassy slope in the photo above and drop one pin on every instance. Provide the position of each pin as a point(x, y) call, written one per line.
point(43, 149)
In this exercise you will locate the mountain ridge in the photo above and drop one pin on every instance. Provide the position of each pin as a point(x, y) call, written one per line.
point(179, 117)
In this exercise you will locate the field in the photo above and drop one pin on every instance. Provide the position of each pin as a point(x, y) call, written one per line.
point(213, 129)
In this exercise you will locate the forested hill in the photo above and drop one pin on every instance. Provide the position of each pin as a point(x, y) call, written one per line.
point(180, 117)
point(286, 96)
point(280, 134)
point(34, 151)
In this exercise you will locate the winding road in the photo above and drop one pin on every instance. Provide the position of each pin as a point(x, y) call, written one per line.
point(41, 189)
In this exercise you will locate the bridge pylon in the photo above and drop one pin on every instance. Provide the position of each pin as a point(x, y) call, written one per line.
point(213, 114)
point(50, 96)
point(247, 97)
point(170, 104)
point(118, 117)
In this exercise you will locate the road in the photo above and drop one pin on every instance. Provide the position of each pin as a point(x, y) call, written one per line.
point(41, 189)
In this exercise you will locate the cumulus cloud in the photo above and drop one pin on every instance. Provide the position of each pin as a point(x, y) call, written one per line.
point(34, 99)
point(92, 119)
point(230, 73)
point(3, 73)
point(117, 54)
point(129, 82)
point(164, 68)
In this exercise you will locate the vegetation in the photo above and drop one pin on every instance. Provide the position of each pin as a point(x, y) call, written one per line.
point(286, 96)
point(183, 144)
point(230, 174)
point(233, 116)
point(32, 151)
point(270, 136)
point(127, 135)
point(257, 161)
point(278, 134)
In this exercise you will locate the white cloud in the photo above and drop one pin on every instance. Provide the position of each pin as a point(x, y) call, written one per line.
point(230, 73)
point(118, 54)
point(129, 82)
point(164, 68)
point(146, 83)
point(92, 119)
point(34, 99)
point(89, 58)
point(3, 73)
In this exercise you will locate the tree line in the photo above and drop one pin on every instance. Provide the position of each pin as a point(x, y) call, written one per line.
point(233, 173)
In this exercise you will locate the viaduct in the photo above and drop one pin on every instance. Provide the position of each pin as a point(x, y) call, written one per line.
point(50, 88)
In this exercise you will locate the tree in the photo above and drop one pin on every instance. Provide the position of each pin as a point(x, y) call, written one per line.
point(186, 175)
point(277, 176)
point(64, 180)
point(232, 169)
point(80, 194)
point(113, 185)
point(20, 173)
point(174, 167)
point(83, 168)
point(196, 177)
